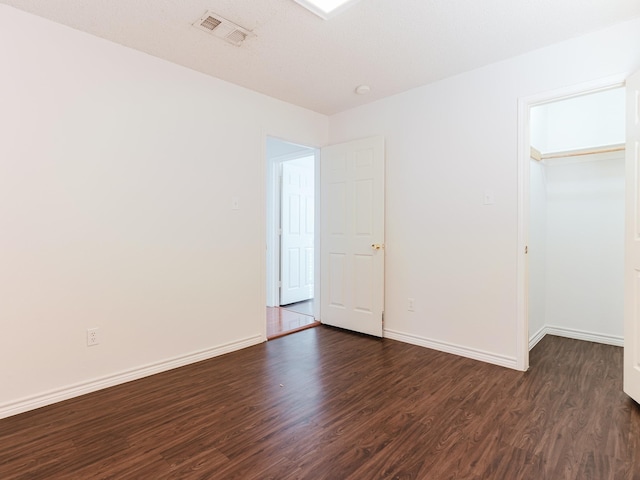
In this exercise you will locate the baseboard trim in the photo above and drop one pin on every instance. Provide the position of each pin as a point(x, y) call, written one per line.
point(474, 354)
point(58, 395)
point(539, 335)
point(584, 335)
point(575, 334)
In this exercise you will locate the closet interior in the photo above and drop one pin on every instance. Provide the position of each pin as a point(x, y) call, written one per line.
point(576, 218)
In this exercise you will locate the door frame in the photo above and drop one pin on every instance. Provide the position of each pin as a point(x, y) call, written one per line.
point(271, 198)
point(524, 154)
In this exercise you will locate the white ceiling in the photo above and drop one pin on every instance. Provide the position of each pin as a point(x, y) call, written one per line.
point(391, 45)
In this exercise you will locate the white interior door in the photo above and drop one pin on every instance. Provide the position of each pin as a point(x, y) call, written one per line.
point(352, 238)
point(632, 243)
point(297, 252)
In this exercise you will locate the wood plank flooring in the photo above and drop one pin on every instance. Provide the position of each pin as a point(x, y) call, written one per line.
point(328, 404)
point(282, 321)
point(305, 307)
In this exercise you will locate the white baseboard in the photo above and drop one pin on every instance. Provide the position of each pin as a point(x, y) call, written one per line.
point(539, 335)
point(575, 334)
point(584, 335)
point(501, 360)
point(58, 395)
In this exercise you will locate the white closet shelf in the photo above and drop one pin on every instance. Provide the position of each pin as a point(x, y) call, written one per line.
point(537, 155)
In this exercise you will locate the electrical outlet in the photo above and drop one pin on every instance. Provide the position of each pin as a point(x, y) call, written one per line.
point(411, 304)
point(93, 337)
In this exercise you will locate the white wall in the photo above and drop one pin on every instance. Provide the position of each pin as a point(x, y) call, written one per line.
point(585, 121)
point(576, 248)
point(447, 143)
point(537, 243)
point(117, 172)
point(538, 127)
point(585, 247)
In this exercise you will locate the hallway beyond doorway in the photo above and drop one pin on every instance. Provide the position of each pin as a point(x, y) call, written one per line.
point(283, 320)
point(305, 307)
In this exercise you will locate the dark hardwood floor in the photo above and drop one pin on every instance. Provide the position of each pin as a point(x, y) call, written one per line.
point(328, 404)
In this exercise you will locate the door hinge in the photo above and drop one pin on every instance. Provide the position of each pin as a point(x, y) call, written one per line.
point(383, 318)
point(526, 249)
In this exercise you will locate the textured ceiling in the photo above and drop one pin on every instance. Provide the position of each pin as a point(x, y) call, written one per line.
point(391, 45)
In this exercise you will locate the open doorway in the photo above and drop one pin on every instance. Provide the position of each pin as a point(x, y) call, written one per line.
point(291, 237)
point(576, 217)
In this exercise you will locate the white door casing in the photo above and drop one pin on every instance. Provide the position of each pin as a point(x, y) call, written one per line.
point(632, 243)
point(297, 223)
point(352, 237)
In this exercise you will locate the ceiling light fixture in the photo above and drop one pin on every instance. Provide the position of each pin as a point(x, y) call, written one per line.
point(326, 8)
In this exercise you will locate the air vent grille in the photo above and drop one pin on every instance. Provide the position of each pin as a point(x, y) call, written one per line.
point(220, 27)
point(236, 36)
point(210, 23)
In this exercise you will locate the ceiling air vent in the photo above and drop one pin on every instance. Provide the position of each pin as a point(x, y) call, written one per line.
point(214, 24)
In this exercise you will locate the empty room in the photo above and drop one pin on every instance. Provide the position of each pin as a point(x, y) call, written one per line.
point(139, 244)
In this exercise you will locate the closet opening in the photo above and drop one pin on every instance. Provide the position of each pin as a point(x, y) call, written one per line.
point(576, 217)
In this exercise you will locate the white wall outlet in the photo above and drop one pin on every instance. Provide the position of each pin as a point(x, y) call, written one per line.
point(488, 198)
point(411, 304)
point(235, 203)
point(93, 337)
